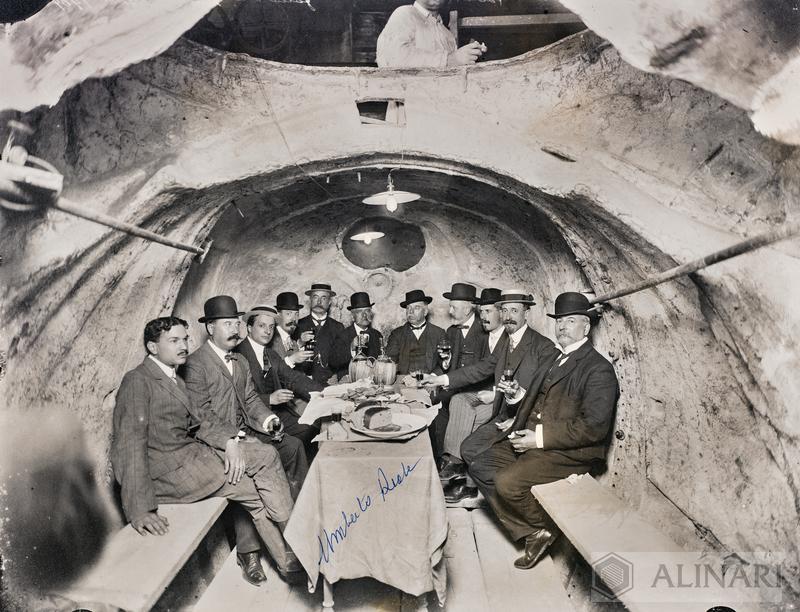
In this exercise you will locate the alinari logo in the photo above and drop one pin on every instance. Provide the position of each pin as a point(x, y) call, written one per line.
point(613, 576)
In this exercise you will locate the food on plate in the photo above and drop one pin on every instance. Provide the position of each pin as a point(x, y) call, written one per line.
point(379, 418)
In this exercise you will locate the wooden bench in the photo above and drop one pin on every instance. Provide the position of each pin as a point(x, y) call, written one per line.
point(134, 570)
point(599, 524)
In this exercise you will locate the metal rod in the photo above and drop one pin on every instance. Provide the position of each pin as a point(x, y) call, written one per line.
point(65, 205)
point(745, 246)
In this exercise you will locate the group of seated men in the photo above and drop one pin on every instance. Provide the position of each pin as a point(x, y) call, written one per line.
point(518, 410)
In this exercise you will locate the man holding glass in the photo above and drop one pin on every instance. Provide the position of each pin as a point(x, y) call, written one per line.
point(412, 346)
point(360, 332)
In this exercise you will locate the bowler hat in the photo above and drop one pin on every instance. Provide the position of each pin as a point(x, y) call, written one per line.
point(490, 295)
point(460, 291)
point(320, 287)
point(415, 295)
point(516, 296)
point(573, 303)
point(261, 310)
point(287, 301)
point(220, 307)
point(360, 299)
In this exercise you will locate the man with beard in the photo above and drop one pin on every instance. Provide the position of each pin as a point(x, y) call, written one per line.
point(525, 351)
point(332, 352)
point(288, 306)
point(280, 387)
point(158, 458)
point(413, 346)
point(561, 428)
point(361, 309)
point(221, 388)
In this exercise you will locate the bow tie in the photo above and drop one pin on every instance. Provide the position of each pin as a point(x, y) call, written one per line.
point(418, 327)
point(229, 356)
point(462, 326)
point(318, 322)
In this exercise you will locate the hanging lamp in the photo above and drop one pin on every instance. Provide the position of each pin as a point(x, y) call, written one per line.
point(391, 197)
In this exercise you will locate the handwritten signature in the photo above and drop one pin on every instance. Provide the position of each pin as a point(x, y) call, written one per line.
point(331, 539)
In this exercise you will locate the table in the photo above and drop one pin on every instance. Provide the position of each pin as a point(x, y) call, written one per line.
point(372, 509)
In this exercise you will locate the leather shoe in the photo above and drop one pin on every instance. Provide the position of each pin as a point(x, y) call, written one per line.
point(452, 471)
point(251, 568)
point(459, 492)
point(536, 545)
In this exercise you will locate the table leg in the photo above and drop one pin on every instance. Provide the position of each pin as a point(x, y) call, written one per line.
point(327, 593)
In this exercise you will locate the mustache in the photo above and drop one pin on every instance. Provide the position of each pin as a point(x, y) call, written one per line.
point(183, 353)
point(234, 337)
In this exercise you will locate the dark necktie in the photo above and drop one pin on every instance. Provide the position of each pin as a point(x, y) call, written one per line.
point(418, 327)
point(463, 327)
point(267, 362)
point(228, 357)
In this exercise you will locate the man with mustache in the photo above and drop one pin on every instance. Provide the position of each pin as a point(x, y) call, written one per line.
point(561, 428)
point(332, 350)
point(167, 449)
point(288, 306)
point(524, 352)
point(221, 388)
point(413, 346)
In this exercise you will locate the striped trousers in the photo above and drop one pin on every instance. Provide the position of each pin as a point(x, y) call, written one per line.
point(467, 413)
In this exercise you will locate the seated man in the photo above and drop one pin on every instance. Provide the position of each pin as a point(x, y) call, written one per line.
point(361, 309)
point(280, 387)
point(561, 428)
point(157, 459)
point(514, 368)
point(288, 306)
point(412, 346)
point(415, 37)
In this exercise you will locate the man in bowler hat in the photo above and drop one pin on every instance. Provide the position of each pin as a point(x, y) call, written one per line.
point(561, 428)
point(361, 309)
point(413, 345)
point(287, 304)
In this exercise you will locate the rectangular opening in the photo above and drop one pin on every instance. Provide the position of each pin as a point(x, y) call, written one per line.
point(386, 111)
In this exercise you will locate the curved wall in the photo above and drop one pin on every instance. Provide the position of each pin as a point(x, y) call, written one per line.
point(706, 364)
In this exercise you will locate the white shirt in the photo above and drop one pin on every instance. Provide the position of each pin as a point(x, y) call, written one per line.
point(468, 323)
point(287, 342)
point(319, 321)
point(258, 349)
point(494, 337)
point(414, 37)
point(221, 354)
point(570, 349)
point(418, 332)
point(514, 339)
point(165, 368)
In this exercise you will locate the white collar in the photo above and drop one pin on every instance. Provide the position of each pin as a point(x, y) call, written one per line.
point(220, 353)
point(469, 321)
point(282, 333)
point(318, 319)
point(164, 367)
point(258, 349)
point(423, 11)
point(572, 347)
point(497, 332)
point(517, 335)
point(359, 329)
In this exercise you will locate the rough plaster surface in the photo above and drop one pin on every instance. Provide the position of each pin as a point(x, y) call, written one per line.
point(705, 364)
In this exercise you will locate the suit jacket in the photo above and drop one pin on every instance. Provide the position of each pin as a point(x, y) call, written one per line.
point(574, 403)
point(276, 344)
point(410, 353)
point(230, 401)
point(277, 376)
point(531, 352)
point(470, 349)
point(373, 346)
point(333, 350)
point(482, 370)
point(153, 454)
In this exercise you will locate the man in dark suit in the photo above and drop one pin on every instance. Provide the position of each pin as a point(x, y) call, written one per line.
point(159, 458)
point(280, 387)
point(288, 306)
point(472, 398)
point(561, 428)
point(361, 309)
point(413, 345)
point(525, 351)
point(332, 350)
point(221, 387)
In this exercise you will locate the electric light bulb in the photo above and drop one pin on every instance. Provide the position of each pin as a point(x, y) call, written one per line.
point(367, 240)
point(391, 203)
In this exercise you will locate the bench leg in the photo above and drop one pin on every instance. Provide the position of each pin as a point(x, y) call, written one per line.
point(327, 593)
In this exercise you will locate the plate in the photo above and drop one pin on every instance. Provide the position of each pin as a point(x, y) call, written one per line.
point(409, 423)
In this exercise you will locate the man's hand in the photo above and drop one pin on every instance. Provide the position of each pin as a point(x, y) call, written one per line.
point(486, 396)
point(234, 461)
point(504, 424)
point(152, 522)
point(431, 380)
point(300, 355)
point(306, 336)
point(508, 388)
point(522, 440)
point(468, 54)
point(275, 427)
point(409, 381)
point(281, 396)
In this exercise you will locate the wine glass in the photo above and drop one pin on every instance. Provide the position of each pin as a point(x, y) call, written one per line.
point(445, 348)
